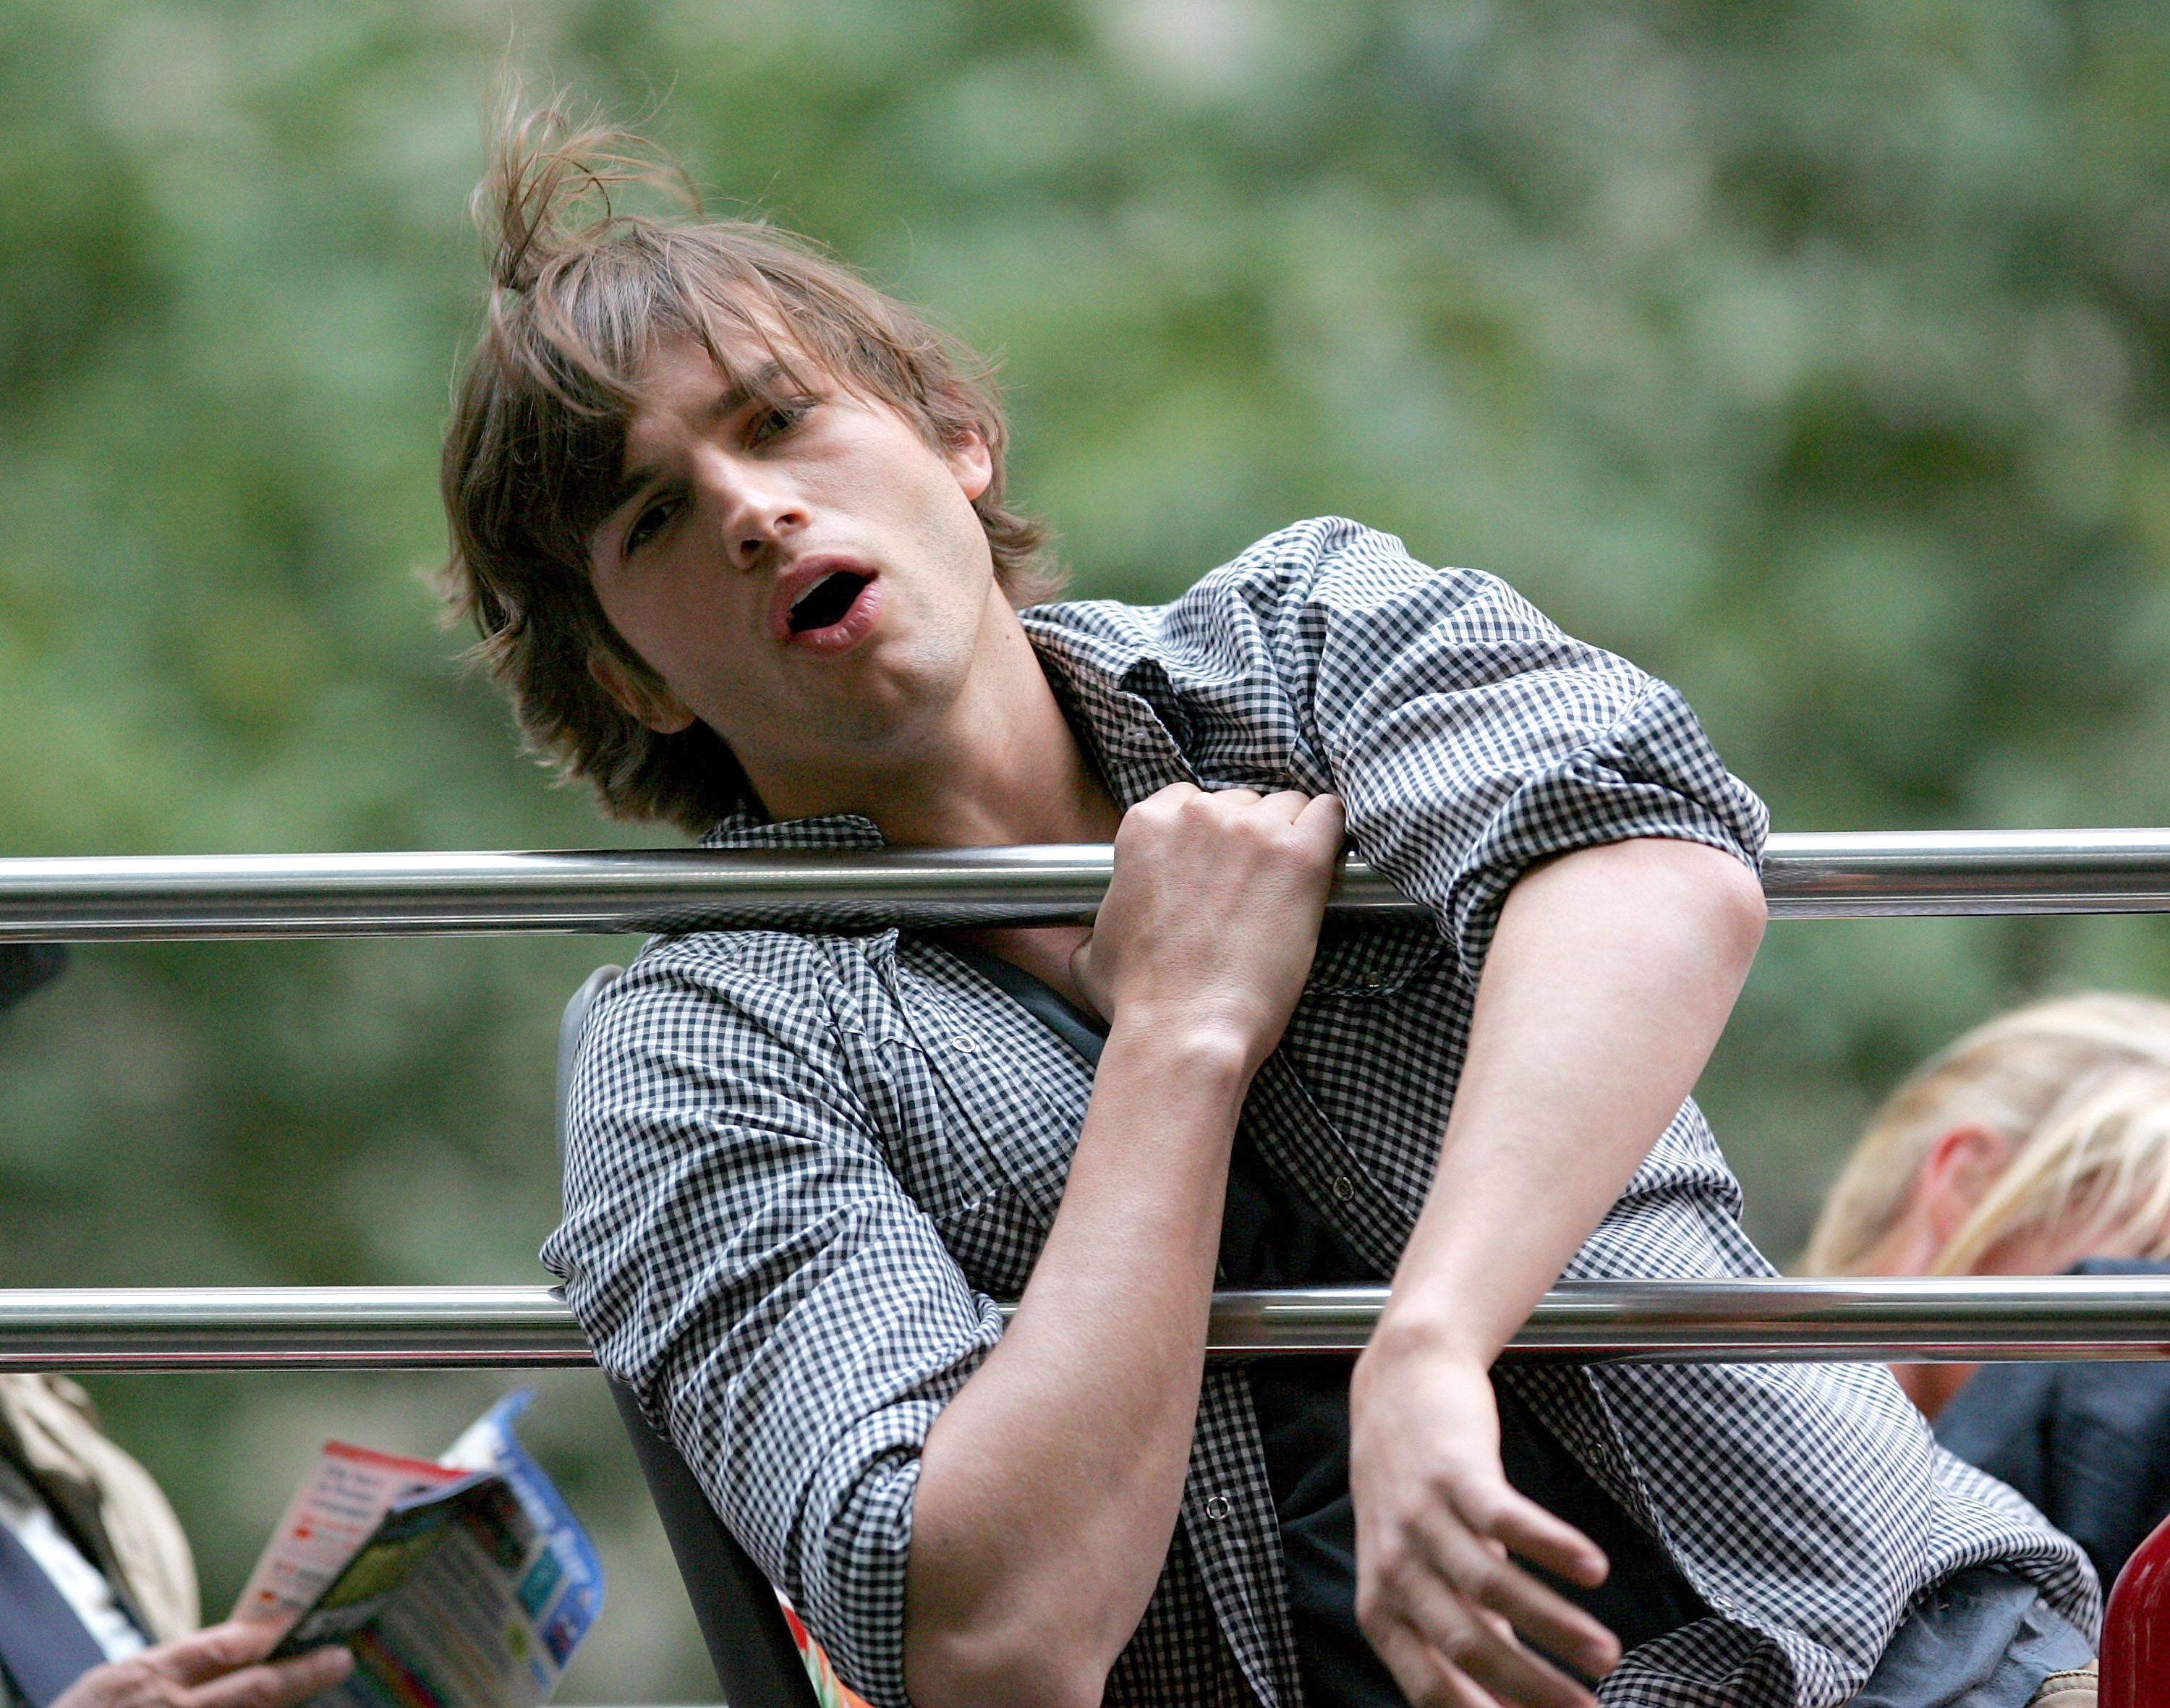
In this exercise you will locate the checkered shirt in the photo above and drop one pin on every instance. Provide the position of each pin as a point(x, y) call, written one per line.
point(804, 1167)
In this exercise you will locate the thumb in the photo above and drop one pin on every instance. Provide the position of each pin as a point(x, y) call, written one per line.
point(1081, 970)
point(1323, 823)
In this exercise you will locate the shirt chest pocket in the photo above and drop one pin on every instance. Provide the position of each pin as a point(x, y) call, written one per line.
point(1376, 1043)
point(979, 1123)
point(1372, 960)
point(996, 1240)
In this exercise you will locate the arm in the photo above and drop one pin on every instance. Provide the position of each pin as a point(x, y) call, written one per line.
point(1048, 1488)
point(1610, 978)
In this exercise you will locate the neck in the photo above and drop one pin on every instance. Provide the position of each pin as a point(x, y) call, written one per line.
point(999, 764)
point(1931, 1386)
point(1909, 1246)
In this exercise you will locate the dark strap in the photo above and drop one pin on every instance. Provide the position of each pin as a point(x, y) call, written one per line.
point(751, 1647)
point(23, 967)
point(43, 1644)
point(1084, 1033)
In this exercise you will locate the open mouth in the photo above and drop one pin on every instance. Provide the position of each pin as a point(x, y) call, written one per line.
point(826, 601)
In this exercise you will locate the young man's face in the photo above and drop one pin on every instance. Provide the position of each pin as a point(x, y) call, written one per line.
point(804, 571)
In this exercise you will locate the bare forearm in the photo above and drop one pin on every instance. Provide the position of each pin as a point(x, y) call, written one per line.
point(1048, 1488)
point(1610, 979)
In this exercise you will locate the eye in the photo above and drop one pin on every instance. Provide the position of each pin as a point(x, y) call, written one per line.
point(653, 518)
point(771, 420)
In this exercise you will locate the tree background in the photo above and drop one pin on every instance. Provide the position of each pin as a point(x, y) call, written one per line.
point(1811, 353)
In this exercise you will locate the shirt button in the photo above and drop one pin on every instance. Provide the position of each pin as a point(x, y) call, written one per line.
point(965, 1043)
point(1217, 1507)
point(1344, 1189)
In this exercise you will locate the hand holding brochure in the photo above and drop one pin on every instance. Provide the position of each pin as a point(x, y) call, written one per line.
point(467, 1583)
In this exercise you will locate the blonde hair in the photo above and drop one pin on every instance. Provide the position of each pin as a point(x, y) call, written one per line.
point(2079, 1087)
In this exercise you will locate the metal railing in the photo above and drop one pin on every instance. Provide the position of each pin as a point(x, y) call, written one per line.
point(1835, 877)
point(1804, 877)
point(1967, 1320)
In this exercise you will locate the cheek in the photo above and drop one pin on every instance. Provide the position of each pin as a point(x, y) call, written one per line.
point(914, 488)
point(647, 625)
point(2039, 1250)
point(2028, 1252)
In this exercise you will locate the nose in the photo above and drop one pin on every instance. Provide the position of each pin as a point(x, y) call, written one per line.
point(757, 509)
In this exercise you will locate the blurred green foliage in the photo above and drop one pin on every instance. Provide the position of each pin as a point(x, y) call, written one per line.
point(1812, 353)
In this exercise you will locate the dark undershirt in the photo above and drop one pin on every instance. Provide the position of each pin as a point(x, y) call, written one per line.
point(1269, 1238)
point(2088, 1444)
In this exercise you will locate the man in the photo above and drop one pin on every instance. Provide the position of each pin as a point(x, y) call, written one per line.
point(98, 1590)
point(731, 525)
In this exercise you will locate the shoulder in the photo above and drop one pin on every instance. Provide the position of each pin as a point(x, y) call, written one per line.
point(1328, 560)
point(1286, 601)
point(793, 988)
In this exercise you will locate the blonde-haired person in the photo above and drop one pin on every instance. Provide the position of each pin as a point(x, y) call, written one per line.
point(2036, 1144)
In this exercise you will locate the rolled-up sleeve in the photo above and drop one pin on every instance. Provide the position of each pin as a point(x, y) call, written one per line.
point(742, 1256)
point(1469, 738)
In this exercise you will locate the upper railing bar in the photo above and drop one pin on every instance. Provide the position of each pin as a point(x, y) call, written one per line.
point(373, 895)
point(1967, 1319)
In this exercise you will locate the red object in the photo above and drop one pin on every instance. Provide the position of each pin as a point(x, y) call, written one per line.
point(2136, 1650)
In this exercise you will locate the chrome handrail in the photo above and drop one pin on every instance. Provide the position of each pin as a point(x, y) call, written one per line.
point(1964, 1319)
point(630, 890)
point(1968, 1319)
point(286, 1328)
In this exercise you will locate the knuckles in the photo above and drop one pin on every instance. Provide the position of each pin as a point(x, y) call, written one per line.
point(132, 1683)
point(1227, 819)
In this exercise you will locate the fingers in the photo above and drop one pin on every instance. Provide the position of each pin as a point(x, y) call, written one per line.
point(1425, 1677)
point(210, 1669)
point(1318, 819)
point(281, 1684)
point(1482, 1649)
point(1324, 824)
point(1288, 804)
point(1468, 1564)
point(1212, 914)
point(216, 1649)
point(1549, 1541)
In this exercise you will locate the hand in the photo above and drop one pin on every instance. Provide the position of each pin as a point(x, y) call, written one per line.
point(1435, 1521)
point(214, 1668)
point(1211, 919)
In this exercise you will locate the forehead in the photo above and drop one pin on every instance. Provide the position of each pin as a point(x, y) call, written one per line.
point(683, 388)
point(681, 380)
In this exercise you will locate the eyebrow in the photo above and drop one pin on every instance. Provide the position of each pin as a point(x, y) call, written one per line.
point(760, 382)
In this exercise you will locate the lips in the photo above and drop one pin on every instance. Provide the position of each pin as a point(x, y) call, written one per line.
point(825, 602)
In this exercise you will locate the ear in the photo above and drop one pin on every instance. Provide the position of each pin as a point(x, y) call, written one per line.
point(971, 461)
point(657, 707)
point(1960, 1168)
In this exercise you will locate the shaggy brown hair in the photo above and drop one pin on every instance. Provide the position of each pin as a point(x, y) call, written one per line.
point(581, 295)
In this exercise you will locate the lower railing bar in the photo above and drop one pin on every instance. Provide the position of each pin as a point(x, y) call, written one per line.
point(1964, 1319)
point(287, 1328)
point(634, 890)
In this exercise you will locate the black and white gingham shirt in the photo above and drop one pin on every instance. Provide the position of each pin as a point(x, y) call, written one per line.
point(803, 1168)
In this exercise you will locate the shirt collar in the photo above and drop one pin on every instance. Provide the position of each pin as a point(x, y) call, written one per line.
point(1118, 696)
point(747, 827)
